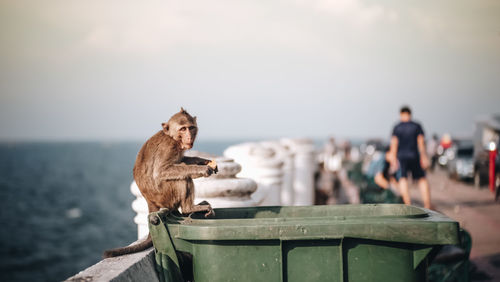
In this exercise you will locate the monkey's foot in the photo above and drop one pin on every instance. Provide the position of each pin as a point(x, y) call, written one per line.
point(210, 212)
point(208, 208)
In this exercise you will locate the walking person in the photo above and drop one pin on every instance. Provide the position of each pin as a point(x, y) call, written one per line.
point(408, 150)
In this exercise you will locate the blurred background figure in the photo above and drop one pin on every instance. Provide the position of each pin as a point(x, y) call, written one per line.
point(333, 185)
point(432, 150)
point(445, 150)
point(326, 178)
point(409, 152)
point(332, 158)
point(383, 173)
point(446, 141)
point(374, 175)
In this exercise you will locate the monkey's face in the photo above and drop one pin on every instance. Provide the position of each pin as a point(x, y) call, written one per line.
point(186, 134)
point(182, 128)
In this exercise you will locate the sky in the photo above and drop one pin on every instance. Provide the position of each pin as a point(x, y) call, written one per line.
point(262, 69)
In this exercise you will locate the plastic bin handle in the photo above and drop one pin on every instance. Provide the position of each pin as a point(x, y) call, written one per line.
point(167, 263)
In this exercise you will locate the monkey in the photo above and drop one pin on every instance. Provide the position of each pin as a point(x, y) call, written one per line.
point(165, 176)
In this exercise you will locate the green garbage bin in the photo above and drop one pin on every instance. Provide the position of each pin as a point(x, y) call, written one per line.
point(380, 242)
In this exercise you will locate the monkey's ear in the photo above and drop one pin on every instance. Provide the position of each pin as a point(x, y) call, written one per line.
point(165, 127)
point(182, 110)
point(194, 118)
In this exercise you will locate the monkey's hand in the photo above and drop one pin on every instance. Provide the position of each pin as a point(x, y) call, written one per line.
point(208, 170)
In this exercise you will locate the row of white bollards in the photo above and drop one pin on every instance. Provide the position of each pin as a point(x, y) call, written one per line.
point(260, 164)
point(284, 170)
point(252, 174)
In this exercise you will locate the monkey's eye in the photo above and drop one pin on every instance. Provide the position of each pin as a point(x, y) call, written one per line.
point(183, 129)
point(192, 127)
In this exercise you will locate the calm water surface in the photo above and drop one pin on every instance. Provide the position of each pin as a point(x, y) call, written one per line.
point(62, 204)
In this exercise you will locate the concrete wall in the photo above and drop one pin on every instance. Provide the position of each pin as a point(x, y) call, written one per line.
point(134, 267)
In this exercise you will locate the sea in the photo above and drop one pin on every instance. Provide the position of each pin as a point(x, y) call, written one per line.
point(63, 203)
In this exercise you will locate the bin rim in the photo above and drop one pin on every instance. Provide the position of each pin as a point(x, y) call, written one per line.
point(418, 225)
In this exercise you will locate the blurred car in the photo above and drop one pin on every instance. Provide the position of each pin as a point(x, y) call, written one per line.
point(487, 133)
point(482, 167)
point(461, 166)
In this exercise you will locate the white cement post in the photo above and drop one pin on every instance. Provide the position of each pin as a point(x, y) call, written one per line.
point(260, 163)
point(287, 156)
point(224, 189)
point(140, 206)
point(304, 169)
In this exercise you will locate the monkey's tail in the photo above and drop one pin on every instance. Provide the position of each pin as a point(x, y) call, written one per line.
point(147, 243)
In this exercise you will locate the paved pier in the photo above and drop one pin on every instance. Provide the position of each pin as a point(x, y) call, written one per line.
point(477, 212)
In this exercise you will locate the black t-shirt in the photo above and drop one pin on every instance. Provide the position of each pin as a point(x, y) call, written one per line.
point(407, 133)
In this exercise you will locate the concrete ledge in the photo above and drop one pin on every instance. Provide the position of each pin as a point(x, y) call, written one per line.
point(134, 267)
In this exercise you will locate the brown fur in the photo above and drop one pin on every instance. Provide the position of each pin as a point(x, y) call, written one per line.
point(165, 176)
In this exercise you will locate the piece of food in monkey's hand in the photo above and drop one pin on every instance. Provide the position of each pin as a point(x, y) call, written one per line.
point(213, 165)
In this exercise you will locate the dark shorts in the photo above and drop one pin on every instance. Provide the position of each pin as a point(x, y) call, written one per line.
point(412, 166)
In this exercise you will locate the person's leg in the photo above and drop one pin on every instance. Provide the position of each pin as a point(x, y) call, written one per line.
point(403, 181)
point(423, 184)
point(419, 175)
point(404, 190)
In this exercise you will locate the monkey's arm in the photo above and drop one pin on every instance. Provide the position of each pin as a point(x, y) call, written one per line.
point(181, 171)
point(194, 160)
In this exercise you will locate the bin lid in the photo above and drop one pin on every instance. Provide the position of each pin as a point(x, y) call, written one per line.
point(386, 222)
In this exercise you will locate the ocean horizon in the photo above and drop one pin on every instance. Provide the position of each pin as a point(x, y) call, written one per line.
point(65, 202)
